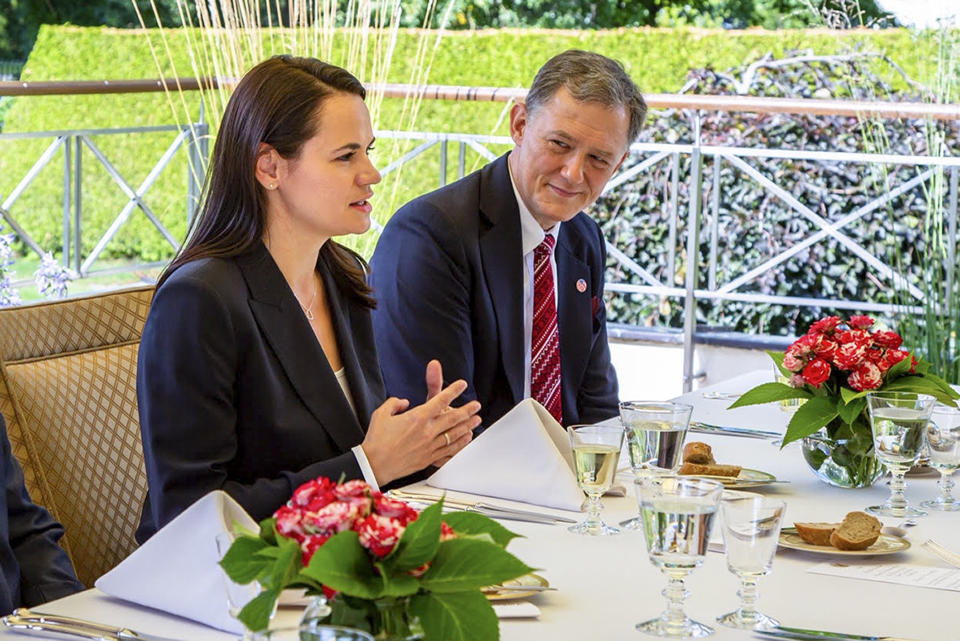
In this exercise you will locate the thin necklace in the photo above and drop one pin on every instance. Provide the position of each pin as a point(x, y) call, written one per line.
point(308, 310)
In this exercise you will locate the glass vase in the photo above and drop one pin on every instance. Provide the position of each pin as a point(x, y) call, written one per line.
point(386, 619)
point(842, 455)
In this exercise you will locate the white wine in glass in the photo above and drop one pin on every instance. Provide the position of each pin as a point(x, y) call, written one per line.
point(677, 516)
point(596, 450)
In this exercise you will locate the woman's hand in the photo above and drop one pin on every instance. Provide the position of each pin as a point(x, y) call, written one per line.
point(402, 442)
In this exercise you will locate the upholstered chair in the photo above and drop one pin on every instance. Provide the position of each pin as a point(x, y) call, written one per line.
point(68, 372)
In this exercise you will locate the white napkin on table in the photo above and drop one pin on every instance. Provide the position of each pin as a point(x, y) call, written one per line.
point(177, 569)
point(525, 456)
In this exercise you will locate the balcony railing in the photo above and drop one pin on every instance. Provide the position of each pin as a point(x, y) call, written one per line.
point(189, 144)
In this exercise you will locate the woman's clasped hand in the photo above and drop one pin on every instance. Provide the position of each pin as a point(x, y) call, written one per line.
point(401, 441)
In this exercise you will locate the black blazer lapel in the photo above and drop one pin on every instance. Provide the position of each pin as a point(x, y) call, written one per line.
point(573, 318)
point(290, 337)
point(501, 250)
point(341, 311)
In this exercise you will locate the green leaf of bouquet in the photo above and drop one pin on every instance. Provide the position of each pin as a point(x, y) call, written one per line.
point(899, 369)
point(810, 417)
point(468, 564)
point(268, 530)
point(419, 541)
point(768, 393)
point(352, 613)
point(850, 410)
point(471, 523)
point(919, 385)
point(847, 394)
point(242, 563)
point(778, 361)
point(397, 583)
point(343, 565)
point(456, 616)
point(943, 384)
point(256, 613)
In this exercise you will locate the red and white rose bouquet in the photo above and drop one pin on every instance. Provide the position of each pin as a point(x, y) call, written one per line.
point(383, 566)
point(833, 367)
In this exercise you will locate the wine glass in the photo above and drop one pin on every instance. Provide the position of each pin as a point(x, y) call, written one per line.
point(942, 436)
point(655, 432)
point(596, 450)
point(898, 420)
point(751, 531)
point(677, 514)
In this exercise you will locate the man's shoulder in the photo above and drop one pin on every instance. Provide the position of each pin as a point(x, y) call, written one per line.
point(456, 200)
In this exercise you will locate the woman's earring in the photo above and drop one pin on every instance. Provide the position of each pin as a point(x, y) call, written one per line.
point(271, 186)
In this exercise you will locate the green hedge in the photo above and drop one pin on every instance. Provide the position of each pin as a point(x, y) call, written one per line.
point(657, 59)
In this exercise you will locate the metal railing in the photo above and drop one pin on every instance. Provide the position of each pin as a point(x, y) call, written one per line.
point(644, 157)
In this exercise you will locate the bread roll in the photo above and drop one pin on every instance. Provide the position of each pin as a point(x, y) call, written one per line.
point(712, 469)
point(697, 452)
point(858, 531)
point(816, 533)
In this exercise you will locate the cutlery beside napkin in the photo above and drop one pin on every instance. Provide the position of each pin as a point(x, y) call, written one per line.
point(525, 456)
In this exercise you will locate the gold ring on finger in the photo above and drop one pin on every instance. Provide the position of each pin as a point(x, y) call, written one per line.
point(447, 436)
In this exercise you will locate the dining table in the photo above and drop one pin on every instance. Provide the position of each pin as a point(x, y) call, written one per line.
point(605, 585)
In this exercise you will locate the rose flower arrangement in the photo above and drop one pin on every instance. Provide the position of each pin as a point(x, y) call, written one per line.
point(833, 367)
point(383, 566)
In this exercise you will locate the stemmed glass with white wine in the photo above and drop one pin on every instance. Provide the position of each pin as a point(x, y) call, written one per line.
point(655, 432)
point(898, 420)
point(677, 515)
point(751, 531)
point(596, 450)
point(942, 436)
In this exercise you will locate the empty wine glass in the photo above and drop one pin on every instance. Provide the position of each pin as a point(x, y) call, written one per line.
point(942, 436)
point(655, 432)
point(898, 420)
point(596, 450)
point(751, 531)
point(677, 514)
point(235, 595)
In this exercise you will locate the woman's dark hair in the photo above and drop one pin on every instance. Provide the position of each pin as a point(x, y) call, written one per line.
point(278, 102)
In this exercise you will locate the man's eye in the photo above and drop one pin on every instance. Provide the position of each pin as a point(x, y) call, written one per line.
point(559, 144)
point(600, 162)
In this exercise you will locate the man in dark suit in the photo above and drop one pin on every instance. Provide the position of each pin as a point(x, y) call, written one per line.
point(500, 275)
point(35, 568)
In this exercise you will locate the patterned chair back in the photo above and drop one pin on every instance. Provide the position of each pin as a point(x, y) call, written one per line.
point(68, 372)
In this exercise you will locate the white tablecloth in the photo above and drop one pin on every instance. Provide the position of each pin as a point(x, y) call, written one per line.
point(606, 584)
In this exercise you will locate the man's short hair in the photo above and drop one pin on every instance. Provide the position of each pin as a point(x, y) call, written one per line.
point(589, 77)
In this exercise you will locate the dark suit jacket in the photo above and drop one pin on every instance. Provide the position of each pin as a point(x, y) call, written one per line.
point(236, 394)
point(448, 277)
point(35, 568)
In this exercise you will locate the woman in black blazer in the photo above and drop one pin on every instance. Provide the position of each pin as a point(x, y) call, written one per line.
point(257, 369)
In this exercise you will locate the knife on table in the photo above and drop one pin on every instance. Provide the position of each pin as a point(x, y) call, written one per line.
point(801, 634)
point(707, 428)
point(25, 621)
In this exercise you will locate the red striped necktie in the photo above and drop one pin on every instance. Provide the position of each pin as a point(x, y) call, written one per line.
point(545, 335)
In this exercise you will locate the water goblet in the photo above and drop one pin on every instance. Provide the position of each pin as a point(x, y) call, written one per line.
point(751, 531)
point(898, 420)
point(596, 450)
point(655, 432)
point(677, 514)
point(942, 436)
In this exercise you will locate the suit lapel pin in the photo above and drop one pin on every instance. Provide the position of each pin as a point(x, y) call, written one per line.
point(581, 285)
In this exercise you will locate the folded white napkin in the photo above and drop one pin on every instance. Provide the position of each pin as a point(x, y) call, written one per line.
point(525, 456)
point(177, 569)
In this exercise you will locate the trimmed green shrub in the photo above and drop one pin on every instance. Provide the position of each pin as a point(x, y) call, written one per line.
point(658, 59)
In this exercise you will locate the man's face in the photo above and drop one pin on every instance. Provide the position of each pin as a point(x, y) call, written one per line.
point(566, 151)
